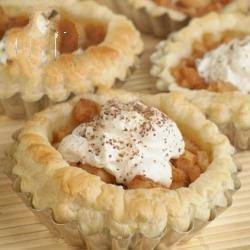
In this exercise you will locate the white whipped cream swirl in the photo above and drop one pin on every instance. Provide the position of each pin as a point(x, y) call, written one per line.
point(3, 54)
point(228, 63)
point(127, 140)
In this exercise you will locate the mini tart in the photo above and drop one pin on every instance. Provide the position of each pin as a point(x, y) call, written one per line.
point(109, 214)
point(229, 110)
point(159, 18)
point(192, 42)
point(74, 47)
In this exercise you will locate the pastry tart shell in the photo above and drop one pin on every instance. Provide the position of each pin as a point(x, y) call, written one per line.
point(86, 212)
point(56, 79)
point(157, 20)
point(229, 110)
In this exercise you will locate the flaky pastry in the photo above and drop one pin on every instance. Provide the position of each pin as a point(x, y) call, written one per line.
point(73, 47)
point(109, 210)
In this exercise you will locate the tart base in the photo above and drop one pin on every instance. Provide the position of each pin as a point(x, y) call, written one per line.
point(71, 232)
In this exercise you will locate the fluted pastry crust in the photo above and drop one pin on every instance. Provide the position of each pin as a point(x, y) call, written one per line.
point(97, 66)
point(230, 111)
point(75, 195)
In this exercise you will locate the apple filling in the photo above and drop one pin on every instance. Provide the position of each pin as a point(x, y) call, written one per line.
point(9, 22)
point(79, 35)
point(73, 34)
point(186, 168)
point(186, 72)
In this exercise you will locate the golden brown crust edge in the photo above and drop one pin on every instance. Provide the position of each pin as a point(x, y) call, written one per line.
point(98, 66)
point(74, 194)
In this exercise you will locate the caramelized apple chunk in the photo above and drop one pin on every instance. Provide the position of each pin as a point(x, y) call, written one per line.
point(85, 111)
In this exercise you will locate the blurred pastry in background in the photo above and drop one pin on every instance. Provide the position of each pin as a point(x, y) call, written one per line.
point(48, 53)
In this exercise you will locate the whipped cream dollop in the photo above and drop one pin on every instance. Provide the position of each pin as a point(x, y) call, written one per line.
point(127, 140)
point(3, 53)
point(228, 63)
point(42, 24)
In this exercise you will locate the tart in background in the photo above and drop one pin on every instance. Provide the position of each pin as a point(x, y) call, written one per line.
point(160, 17)
point(49, 53)
point(208, 62)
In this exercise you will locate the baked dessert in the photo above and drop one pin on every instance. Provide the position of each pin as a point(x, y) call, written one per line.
point(88, 160)
point(212, 55)
point(211, 59)
point(51, 52)
point(160, 17)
